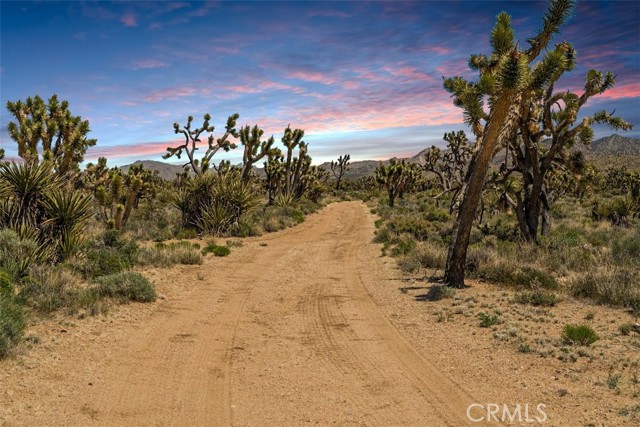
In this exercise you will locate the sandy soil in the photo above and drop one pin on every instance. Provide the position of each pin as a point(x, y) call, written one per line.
point(306, 326)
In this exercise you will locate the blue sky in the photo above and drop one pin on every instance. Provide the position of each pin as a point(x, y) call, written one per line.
point(363, 78)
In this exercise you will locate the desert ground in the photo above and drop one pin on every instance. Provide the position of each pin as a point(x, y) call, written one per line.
point(312, 326)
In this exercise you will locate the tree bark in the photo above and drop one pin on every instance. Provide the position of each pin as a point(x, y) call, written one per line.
point(472, 192)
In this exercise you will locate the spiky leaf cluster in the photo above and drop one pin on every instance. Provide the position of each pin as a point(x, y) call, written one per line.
point(48, 131)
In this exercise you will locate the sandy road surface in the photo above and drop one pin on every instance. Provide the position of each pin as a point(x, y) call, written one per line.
point(283, 332)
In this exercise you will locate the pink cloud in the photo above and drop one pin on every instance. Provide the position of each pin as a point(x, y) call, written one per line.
point(170, 93)
point(411, 73)
point(140, 149)
point(129, 19)
point(146, 64)
point(311, 76)
point(629, 90)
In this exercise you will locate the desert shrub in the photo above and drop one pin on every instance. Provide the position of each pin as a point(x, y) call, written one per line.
point(125, 286)
point(418, 227)
point(510, 273)
point(216, 250)
point(537, 298)
point(17, 254)
point(579, 335)
point(403, 245)
point(12, 322)
point(617, 286)
point(214, 204)
point(167, 255)
point(110, 254)
point(502, 227)
point(627, 250)
point(49, 288)
point(275, 218)
point(488, 320)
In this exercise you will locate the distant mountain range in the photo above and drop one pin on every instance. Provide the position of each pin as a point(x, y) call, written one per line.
point(610, 146)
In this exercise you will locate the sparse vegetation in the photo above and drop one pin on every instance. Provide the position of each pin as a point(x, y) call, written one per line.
point(579, 335)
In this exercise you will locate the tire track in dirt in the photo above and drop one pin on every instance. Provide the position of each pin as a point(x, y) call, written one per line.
point(358, 372)
point(275, 335)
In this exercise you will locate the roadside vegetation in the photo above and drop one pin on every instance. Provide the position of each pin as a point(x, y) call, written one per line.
point(77, 241)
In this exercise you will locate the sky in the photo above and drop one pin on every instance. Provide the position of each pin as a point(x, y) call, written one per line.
point(363, 78)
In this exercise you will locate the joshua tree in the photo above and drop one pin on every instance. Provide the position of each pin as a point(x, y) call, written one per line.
point(504, 78)
point(297, 169)
point(48, 131)
point(397, 177)
point(192, 139)
point(539, 149)
point(254, 149)
point(338, 168)
point(274, 171)
point(117, 193)
point(449, 166)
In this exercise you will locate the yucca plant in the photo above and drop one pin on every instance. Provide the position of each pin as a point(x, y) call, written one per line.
point(65, 213)
point(37, 207)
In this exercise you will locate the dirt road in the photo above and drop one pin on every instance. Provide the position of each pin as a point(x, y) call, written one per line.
point(283, 332)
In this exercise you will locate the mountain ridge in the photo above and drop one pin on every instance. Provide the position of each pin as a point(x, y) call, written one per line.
point(610, 146)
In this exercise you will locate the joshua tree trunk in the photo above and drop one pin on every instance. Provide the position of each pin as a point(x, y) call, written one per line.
point(454, 270)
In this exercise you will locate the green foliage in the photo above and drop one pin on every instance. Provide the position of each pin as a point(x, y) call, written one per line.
point(488, 320)
point(254, 149)
point(38, 206)
point(215, 204)
point(48, 131)
point(17, 255)
point(617, 286)
point(125, 286)
point(111, 254)
point(537, 298)
point(118, 194)
point(166, 255)
point(579, 335)
point(339, 167)
point(520, 277)
point(220, 251)
point(12, 321)
point(398, 177)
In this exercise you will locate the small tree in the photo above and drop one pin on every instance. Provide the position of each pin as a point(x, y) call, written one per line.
point(254, 149)
point(449, 166)
point(48, 131)
point(397, 177)
point(192, 139)
point(338, 168)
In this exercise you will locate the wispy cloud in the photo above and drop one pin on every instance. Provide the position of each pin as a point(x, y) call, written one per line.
point(170, 93)
point(147, 64)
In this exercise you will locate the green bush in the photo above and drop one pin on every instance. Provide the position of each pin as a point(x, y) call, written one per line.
point(167, 255)
point(488, 320)
point(618, 287)
point(125, 286)
point(216, 250)
point(579, 334)
point(11, 323)
point(50, 288)
point(111, 254)
point(537, 298)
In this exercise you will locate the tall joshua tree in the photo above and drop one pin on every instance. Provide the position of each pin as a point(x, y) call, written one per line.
point(503, 78)
point(254, 149)
point(539, 149)
point(192, 139)
point(339, 167)
point(48, 131)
